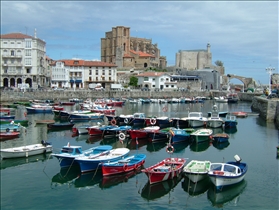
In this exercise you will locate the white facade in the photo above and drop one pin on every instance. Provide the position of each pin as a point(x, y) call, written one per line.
point(23, 60)
point(156, 80)
point(78, 74)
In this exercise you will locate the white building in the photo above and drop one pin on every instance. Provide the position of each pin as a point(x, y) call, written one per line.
point(77, 73)
point(23, 60)
point(156, 80)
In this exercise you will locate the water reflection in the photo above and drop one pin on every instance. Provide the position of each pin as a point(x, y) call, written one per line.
point(229, 195)
point(199, 147)
point(154, 147)
point(13, 162)
point(134, 145)
point(157, 190)
point(110, 181)
point(195, 189)
point(180, 147)
point(221, 145)
point(89, 179)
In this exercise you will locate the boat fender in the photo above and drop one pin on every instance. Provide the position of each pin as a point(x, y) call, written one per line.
point(113, 122)
point(170, 149)
point(126, 120)
point(152, 121)
point(7, 129)
point(122, 136)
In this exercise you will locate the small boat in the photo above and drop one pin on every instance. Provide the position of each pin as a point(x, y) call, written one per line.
point(197, 170)
point(81, 129)
point(164, 170)
point(214, 121)
point(86, 116)
point(196, 119)
point(37, 108)
point(60, 108)
point(178, 135)
point(10, 127)
point(124, 165)
point(7, 117)
point(76, 100)
point(158, 136)
point(9, 135)
point(202, 135)
point(68, 103)
point(225, 174)
point(240, 114)
point(221, 99)
point(26, 151)
point(68, 153)
point(104, 109)
point(114, 131)
point(143, 133)
point(44, 121)
point(220, 137)
point(60, 126)
point(98, 130)
point(230, 121)
point(232, 98)
point(94, 162)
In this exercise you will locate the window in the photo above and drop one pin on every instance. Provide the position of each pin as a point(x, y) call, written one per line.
point(27, 52)
point(27, 43)
point(97, 72)
point(145, 79)
point(90, 72)
point(27, 61)
point(12, 53)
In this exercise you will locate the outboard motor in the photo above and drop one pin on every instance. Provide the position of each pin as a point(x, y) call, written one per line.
point(237, 158)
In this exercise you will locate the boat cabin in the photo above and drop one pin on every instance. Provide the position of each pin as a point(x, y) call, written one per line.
point(74, 150)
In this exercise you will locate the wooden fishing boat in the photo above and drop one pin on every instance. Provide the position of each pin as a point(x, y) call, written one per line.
point(230, 121)
point(60, 126)
point(36, 108)
point(225, 174)
point(164, 170)
point(9, 135)
point(214, 121)
point(197, 170)
point(68, 153)
point(44, 121)
point(94, 162)
point(220, 137)
point(26, 151)
point(124, 165)
point(201, 135)
point(240, 114)
point(179, 135)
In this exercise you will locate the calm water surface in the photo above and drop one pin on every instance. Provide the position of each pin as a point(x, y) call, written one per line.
point(38, 183)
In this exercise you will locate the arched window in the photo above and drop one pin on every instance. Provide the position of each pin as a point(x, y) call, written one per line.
point(12, 53)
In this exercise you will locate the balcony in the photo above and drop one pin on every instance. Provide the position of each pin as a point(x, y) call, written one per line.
point(11, 56)
point(12, 64)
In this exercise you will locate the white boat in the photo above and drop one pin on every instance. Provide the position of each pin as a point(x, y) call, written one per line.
point(214, 121)
point(225, 174)
point(26, 151)
point(202, 135)
point(221, 99)
point(197, 170)
point(196, 119)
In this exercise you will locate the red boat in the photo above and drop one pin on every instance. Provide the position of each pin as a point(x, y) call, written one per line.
point(9, 135)
point(164, 170)
point(58, 108)
point(143, 133)
point(125, 165)
point(94, 130)
point(240, 114)
point(69, 103)
point(104, 110)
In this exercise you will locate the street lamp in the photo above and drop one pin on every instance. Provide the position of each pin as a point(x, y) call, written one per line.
point(269, 71)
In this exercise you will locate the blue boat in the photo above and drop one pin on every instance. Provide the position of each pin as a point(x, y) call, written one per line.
point(9, 127)
point(179, 135)
point(230, 121)
point(116, 130)
point(35, 108)
point(221, 137)
point(68, 153)
point(94, 162)
point(86, 116)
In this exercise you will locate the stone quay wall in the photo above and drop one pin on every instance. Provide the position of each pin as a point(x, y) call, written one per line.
point(268, 109)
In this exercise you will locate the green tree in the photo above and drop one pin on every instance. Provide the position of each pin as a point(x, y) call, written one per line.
point(219, 63)
point(133, 81)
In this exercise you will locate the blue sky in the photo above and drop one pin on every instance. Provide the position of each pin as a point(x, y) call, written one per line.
point(243, 35)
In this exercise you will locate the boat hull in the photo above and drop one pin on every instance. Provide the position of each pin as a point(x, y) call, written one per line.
point(23, 151)
point(164, 170)
point(124, 165)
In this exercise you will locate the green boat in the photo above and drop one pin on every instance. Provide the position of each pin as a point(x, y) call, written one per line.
point(22, 122)
point(202, 135)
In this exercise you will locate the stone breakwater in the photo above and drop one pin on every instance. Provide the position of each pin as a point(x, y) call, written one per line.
point(268, 109)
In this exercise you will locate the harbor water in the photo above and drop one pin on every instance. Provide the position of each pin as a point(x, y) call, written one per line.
point(37, 182)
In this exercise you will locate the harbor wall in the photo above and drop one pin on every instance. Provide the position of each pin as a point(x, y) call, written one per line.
point(268, 109)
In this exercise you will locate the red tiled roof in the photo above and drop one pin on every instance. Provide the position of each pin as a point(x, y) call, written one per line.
point(127, 56)
point(151, 74)
point(141, 54)
point(16, 36)
point(71, 62)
